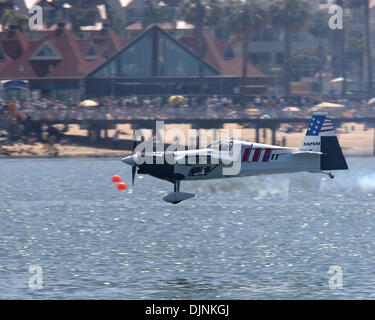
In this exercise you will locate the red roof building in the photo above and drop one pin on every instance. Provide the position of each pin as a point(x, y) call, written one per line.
point(156, 63)
point(61, 65)
point(55, 64)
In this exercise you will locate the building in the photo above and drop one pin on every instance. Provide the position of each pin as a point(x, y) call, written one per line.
point(58, 64)
point(55, 64)
point(156, 63)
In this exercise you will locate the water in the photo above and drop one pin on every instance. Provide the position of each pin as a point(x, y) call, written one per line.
point(245, 238)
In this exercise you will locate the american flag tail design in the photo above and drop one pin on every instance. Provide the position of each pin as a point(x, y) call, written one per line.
point(321, 137)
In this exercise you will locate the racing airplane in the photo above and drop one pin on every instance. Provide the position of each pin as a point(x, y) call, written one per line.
point(320, 152)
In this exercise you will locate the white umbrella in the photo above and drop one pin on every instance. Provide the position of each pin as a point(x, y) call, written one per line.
point(340, 79)
point(327, 106)
point(291, 109)
point(88, 103)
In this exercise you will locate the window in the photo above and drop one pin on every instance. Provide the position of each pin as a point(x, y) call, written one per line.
point(46, 52)
point(174, 60)
point(229, 54)
point(91, 52)
point(221, 145)
point(136, 60)
point(154, 54)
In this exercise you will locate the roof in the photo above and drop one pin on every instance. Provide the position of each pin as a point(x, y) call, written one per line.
point(71, 56)
point(150, 29)
point(214, 58)
point(215, 49)
point(12, 44)
point(61, 54)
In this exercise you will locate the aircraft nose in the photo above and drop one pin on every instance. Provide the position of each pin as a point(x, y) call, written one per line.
point(128, 160)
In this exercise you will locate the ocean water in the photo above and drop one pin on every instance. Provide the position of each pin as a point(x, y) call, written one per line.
point(267, 237)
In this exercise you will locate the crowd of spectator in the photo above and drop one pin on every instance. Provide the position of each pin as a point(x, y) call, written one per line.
point(157, 108)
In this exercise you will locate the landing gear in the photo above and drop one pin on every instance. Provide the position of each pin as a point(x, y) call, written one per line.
point(176, 196)
point(329, 175)
point(176, 189)
point(177, 186)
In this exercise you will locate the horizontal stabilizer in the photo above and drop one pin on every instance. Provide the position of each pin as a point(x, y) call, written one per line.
point(306, 154)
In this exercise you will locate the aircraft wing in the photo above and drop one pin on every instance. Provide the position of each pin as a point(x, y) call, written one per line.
point(224, 156)
point(213, 156)
point(303, 154)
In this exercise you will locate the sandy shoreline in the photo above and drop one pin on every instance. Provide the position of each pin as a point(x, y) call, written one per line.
point(354, 139)
point(41, 151)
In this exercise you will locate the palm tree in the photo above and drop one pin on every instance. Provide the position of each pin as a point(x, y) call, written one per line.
point(359, 49)
point(368, 46)
point(247, 18)
point(290, 16)
point(366, 26)
point(159, 13)
point(200, 13)
point(341, 45)
point(11, 16)
point(319, 30)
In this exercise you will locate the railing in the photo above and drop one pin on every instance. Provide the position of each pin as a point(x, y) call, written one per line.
point(165, 113)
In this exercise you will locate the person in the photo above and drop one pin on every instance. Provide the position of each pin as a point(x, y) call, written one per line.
point(44, 132)
point(115, 139)
point(12, 108)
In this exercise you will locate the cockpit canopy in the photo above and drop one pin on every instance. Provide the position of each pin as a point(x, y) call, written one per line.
point(222, 145)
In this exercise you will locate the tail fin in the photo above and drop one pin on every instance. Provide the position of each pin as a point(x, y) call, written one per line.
point(321, 137)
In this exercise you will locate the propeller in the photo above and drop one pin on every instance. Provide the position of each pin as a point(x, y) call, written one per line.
point(134, 171)
point(134, 166)
point(133, 163)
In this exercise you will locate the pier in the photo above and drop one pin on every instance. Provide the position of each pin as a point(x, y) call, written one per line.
point(97, 130)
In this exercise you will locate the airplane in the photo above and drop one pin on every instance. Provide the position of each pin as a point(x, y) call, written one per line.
point(320, 152)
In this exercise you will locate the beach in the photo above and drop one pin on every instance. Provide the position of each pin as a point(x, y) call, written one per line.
point(354, 140)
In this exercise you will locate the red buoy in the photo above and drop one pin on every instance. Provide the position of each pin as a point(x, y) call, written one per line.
point(122, 186)
point(116, 178)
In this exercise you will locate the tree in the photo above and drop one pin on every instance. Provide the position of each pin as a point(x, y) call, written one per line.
point(319, 29)
point(304, 64)
point(341, 45)
point(368, 46)
point(290, 16)
point(116, 20)
point(12, 16)
point(354, 4)
point(200, 13)
point(247, 18)
point(82, 17)
point(157, 13)
point(358, 46)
